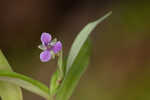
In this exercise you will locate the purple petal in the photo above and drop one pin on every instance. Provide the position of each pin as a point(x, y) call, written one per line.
point(45, 38)
point(45, 56)
point(57, 47)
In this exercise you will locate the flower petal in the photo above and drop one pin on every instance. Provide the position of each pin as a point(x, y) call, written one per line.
point(45, 56)
point(57, 47)
point(45, 38)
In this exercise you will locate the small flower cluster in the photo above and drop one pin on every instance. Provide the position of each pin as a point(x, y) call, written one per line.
point(50, 47)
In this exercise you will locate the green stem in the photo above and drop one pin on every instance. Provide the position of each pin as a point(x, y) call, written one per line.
point(60, 67)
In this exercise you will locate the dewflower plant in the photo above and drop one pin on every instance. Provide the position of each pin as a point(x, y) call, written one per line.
point(68, 71)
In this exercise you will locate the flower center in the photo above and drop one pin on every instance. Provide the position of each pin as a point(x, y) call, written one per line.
point(49, 46)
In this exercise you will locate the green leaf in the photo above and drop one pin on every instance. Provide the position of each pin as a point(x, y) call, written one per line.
point(81, 38)
point(77, 61)
point(73, 76)
point(8, 91)
point(58, 76)
point(54, 84)
point(25, 82)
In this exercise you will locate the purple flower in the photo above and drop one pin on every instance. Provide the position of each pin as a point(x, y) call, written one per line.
point(50, 47)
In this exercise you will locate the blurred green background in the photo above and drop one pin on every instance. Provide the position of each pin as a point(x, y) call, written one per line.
point(120, 62)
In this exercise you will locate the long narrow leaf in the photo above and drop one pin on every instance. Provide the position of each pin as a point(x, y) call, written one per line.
point(8, 91)
point(77, 61)
point(81, 38)
point(25, 82)
point(74, 74)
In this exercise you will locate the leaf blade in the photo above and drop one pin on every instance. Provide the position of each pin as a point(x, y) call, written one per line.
point(8, 91)
point(73, 76)
point(77, 61)
point(81, 38)
point(25, 82)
